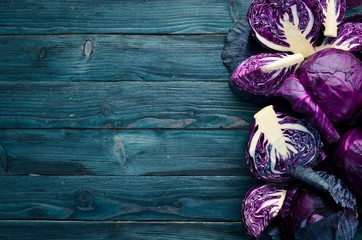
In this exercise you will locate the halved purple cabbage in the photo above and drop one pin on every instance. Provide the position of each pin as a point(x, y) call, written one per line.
point(333, 13)
point(260, 206)
point(286, 26)
point(349, 38)
point(278, 142)
point(263, 72)
point(348, 158)
point(333, 78)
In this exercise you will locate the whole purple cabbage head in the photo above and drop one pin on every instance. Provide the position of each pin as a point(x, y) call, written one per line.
point(333, 78)
point(260, 206)
point(278, 142)
point(348, 158)
point(286, 26)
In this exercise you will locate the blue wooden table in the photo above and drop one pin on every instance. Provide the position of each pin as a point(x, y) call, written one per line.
point(117, 121)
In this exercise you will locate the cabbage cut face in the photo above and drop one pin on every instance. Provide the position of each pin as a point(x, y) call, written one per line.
point(262, 73)
point(286, 26)
point(261, 204)
point(277, 142)
point(349, 38)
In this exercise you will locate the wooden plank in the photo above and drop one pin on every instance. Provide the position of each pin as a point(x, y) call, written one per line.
point(38, 230)
point(111, 58)
point(127, 16)
point(123, 198)
point(121, 153)
point(122, 105)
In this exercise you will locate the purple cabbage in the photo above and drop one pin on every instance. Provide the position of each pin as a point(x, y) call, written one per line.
point(349, 38)
point(286, 26)
point(260, 206)
point(313, 215)
point(333, 78)
point(278, 142)
point(347, 156)
point(261, 73)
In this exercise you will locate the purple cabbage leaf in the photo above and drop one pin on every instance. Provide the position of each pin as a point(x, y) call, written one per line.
point(293, 91)
point(278, 142)
point(286, 26)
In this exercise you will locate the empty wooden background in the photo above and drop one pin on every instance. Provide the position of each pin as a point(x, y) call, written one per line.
point(117, 122)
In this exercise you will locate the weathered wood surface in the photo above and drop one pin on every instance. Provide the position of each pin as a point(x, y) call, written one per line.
point(38, 230)
point(123, 197)
point(111, 58)
point(121, 153)
point(122, 105)
point(127, 16)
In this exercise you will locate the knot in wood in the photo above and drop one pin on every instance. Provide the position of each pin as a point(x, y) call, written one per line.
point(42, 53)
point(88, 48)
point(84, 200)
point(106, 110)
point(38, 213)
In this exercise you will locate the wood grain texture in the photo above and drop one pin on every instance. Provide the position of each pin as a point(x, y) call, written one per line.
point(122, 153)
point(38, 230)
point(122, 105)
point(111, 58)
point(123, 198)
point(127, 16)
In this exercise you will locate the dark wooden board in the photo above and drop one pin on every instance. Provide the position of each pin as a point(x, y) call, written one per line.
point(111, 58)
point(123, 198)
point(127, 16)
point(122, 105)
point(120, 153)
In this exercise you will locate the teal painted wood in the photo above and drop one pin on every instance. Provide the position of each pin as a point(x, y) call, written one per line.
point(111, 58)
point(57, 230)
point(128, 16)
point(122, 105)
point(29, 230)
point(123, 198)
point(122, 153)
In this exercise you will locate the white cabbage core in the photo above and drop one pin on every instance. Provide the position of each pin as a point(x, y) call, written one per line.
point(268, 123)
point(331, 15)
point(284, 62)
